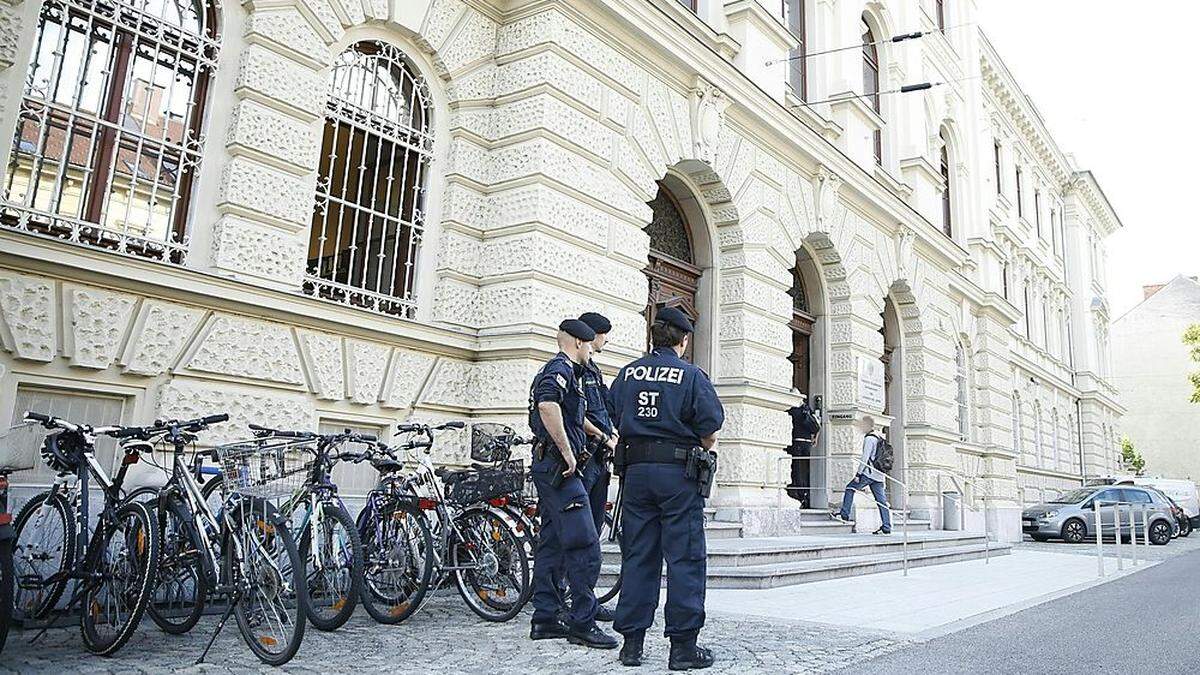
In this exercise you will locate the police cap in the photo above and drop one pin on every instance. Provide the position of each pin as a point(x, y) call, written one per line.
point(597, 322)
point(577, 329)
point(674, 317)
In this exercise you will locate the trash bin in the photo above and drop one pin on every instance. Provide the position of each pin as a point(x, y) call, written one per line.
point(951, 511)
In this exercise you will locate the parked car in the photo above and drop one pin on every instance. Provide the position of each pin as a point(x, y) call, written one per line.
point(1072, 516)
point(1183, 492)
point(1181, 517)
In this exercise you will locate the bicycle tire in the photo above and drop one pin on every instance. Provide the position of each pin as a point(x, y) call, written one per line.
point(506, 547)
point(181, 550)
point(256, 515)
point(23, 568)
point(6, 588)
point(140, 533)
point(418, 550)
point(344, 599)
point(615, 589)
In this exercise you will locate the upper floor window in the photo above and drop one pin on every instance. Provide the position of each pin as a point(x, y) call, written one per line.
point(871, 81)
point(1037, 211)
point(370, 202)
point(793, 18)
point(1017, 424)
point(1025, 310)
point(1004, 279)
point(690, 4)
point(939, 10)
point(110, 125)
point(1020, 204)
point(999, 175)
point(1054, 243)
point(963, 392)
point(947, 226)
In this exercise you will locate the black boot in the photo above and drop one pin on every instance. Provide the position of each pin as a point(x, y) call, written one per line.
point(685, 655)
point(549, 630)
point(631, 651)
point(592, 637)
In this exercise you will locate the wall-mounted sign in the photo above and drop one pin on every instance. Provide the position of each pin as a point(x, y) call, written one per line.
point(870, 383)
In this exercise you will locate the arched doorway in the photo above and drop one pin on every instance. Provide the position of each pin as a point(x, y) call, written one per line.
point(675, 264)
point(807, 474)
point(893, 395)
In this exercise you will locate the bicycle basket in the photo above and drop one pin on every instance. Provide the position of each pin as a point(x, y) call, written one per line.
point(480, 485)
point(268, 468)
point(19, 446)
point(491, 441)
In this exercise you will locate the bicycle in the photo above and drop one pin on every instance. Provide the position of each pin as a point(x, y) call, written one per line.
point(115, 568)
point(237, 547)
point(474, 543)
point(398, 547)
point(16, 454)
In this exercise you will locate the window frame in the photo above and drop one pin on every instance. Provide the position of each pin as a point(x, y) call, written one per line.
point(1020, 201)
point(947, 180)
point(795, 22)
point(871, 64)
point(999, 167)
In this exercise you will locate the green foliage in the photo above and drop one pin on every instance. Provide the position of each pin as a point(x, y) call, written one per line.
point(1131, 459)
point(1191, 337)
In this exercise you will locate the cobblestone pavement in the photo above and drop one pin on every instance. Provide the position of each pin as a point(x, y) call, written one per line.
point(446, 637)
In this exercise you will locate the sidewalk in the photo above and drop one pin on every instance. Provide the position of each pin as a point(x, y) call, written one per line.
point(930, 601)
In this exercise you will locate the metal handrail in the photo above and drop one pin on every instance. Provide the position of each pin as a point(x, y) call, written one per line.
point(962, 520)
point(891, 511)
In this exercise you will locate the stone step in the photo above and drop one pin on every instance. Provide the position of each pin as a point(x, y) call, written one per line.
point(774, 575)
point(774, 550)
point(716, 529)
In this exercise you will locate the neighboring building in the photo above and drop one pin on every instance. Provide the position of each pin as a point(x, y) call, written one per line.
point(1151, 365)
point(339, 212)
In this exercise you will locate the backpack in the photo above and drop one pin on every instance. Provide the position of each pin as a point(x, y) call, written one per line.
point(884, 458)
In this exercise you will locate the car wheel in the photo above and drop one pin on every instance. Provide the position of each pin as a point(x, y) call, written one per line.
point(1039, 537)
point(1185, 527)
point(1074, 531)
point(1160, 532)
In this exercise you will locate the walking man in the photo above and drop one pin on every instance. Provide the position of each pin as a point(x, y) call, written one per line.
point(602, 437)
point(668, 415)
point(567, 542)
point(869, 475)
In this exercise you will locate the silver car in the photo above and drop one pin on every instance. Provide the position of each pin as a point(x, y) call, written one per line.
point(1071, 516)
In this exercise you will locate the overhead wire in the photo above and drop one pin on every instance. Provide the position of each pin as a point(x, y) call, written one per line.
point(895, 38)
point(905, 89)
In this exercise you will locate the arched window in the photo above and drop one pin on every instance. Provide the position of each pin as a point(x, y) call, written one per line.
point(1017, 424)
point(947, 218)
point(801, 326)
point(871, 80)
point(370, 201)
point(111, 123)
point(963, 395)
point(672, 269)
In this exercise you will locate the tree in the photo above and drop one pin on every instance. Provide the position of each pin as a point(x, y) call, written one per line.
point(1131, 459)
point(1191, 338)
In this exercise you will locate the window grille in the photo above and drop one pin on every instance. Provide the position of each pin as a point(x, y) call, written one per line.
point(110, 126)
point(370, 201)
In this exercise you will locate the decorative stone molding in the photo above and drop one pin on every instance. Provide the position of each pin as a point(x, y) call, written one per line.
point(367, 363)
point(251, 185)
point(248, 348)
point(278, 78)
point(275, 134)
point(98, 320)
point(10, 34)
point(324, 364)
point(245, 247)
point(186, 399)
point(30, 309)
point(407, 378)
point(160, 333)
point(708, 105)
point(288, 28)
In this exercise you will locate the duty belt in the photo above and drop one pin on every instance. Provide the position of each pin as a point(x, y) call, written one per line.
point(656, 452)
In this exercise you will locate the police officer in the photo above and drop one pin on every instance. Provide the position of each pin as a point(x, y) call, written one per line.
point(806, 425)
point(567, 542)
point(665, 409)
point(602, 437)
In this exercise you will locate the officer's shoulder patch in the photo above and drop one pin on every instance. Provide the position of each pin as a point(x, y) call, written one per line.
point(562, 381)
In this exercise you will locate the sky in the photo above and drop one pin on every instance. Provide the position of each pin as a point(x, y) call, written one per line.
point(1115, 84)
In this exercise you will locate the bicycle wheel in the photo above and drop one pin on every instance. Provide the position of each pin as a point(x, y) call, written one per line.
point(6, 588)
point(604, 594)
point(44, 546)
point(182, 587)
point(493, 568)
point(335, 580)
point(124, 556)
point(397, 561)
point(261, 559)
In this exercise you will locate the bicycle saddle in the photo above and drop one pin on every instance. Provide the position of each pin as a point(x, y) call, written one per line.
point(387, 465)
point(450, 477)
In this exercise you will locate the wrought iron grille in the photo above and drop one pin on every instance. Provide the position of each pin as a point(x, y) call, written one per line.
point(110, 126)
point(370, 202)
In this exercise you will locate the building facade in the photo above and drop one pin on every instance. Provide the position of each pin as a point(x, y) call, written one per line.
point(352, 212)
point(1151, 366)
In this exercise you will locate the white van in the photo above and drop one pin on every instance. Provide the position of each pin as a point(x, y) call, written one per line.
point(1184, 492)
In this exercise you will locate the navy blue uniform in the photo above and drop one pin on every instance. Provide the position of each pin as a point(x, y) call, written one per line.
point(595, 474)
point(663, 400)
point(567, 542)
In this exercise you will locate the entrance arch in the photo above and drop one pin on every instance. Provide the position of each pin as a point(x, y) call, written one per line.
point(680, 261)
point(809, 326)
point(892, 359)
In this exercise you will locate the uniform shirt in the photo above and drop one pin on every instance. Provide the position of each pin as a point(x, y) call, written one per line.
point(870, 445)
point(596, 393)
point(805, 423)
point(557, 382)
point(662, 397)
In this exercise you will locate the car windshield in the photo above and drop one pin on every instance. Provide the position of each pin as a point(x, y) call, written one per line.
point(1074, 496)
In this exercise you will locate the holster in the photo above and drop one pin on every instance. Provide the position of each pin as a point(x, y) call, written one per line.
point(619, 455)
point(544, 445)
point(700, 465)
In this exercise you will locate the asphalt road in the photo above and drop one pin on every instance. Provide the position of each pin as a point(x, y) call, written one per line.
point(1148, 622)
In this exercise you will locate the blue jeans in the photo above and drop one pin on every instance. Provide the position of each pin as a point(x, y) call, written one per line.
point(860, 481)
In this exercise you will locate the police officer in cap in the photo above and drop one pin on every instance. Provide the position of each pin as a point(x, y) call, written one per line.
point(567, 542)
point(665, 410)
point(602, 437)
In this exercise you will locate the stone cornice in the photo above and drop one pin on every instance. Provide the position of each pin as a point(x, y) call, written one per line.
point(1085, 185)
point(751, 10)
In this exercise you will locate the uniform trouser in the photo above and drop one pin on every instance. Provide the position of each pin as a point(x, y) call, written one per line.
point(798, 488)
point(567, 546)
point(595, 479)
point(662, 517)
